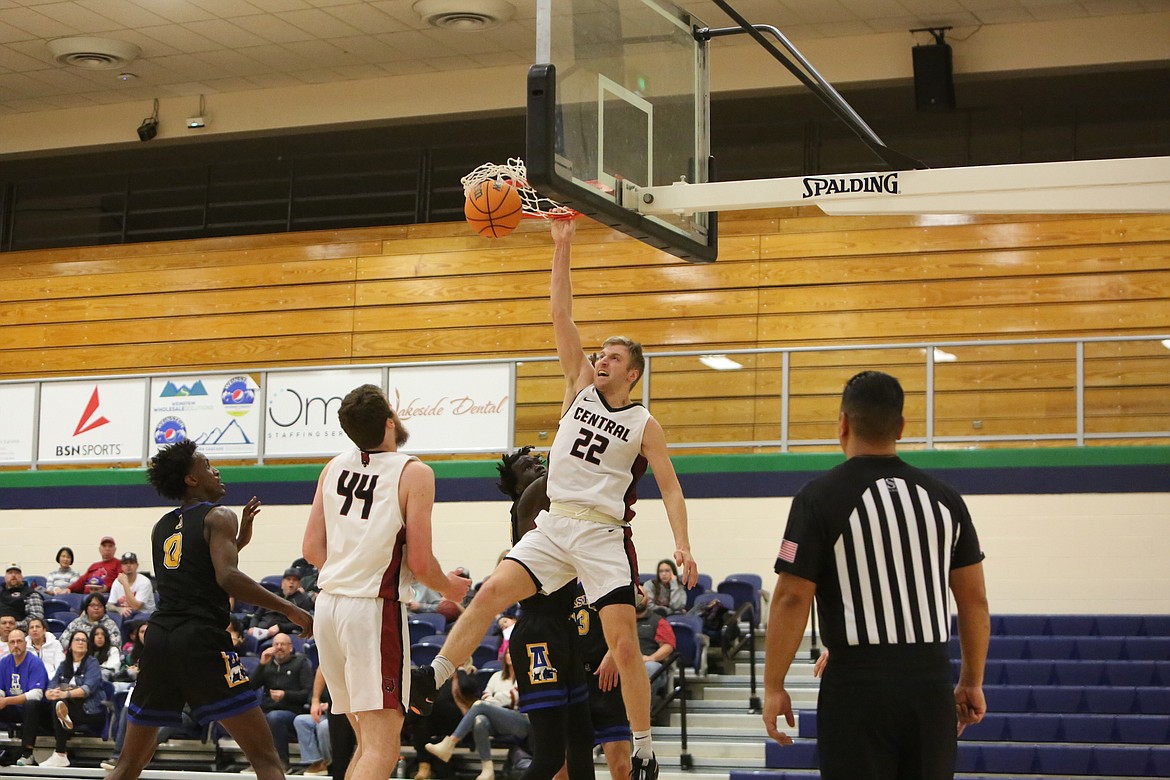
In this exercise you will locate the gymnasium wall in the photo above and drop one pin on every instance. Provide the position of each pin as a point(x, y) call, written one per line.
point(784, 278)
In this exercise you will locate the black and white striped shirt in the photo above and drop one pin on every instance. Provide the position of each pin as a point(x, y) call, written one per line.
point(879, 538)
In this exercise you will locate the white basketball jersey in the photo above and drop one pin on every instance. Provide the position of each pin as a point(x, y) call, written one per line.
point(364, 528)
point(596, 458)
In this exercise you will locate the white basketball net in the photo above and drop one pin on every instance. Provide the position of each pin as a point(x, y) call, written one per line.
point(514, 172)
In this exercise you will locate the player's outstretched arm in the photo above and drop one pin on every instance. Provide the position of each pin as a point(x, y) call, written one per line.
point(314, 547)
point(416, 495)
point(974, 615)
point(576, 367)
point(221, 529)
point(787, 617)
point(654, 450)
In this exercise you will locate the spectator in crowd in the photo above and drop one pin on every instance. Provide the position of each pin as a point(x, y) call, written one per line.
point(656, 638)
point(76, 696)
point(7, 626)
point(22, 687)
point(286, 679)
point(93, 615)
point(313, 730)
point(667, 595)
point(131, 651)
point(44, 645)
point(19, 599)
point(59, 580)
point(425, 599)
point(452, 700)
point(132, 595)
point(237, 632)
point(495, 714)
point(100, 575)
point(267, 623)
point(108, 656)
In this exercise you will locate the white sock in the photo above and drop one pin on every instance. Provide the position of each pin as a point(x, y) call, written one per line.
point(443, 670)
point(643, 747)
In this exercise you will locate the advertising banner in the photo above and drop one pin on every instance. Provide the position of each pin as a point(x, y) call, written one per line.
point(92, 421)
point(17, 403)
point(218, 412)
point(454, 408)
point(302, 410)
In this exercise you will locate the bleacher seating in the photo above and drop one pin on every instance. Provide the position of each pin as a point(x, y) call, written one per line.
point(1068, 695)
point(437, 622)
point(690, 642)
point(36, 581)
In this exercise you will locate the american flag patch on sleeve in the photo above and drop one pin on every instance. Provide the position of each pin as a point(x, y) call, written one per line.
point(787, 551)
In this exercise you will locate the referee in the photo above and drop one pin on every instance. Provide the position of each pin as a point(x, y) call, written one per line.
point(878, 542)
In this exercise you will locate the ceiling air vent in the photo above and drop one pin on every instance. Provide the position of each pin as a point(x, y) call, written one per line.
point(464, 15)
point(93, 53)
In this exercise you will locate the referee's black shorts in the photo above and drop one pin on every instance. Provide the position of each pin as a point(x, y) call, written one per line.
point(886, 722)
point(193, 663)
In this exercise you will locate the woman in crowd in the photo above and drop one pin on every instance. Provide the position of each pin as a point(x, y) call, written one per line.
point(495, 714)
point(59, 580)
point(107, 655)
point(45, 646)
point(94, 615)
point(76, 696)
point(667, 594)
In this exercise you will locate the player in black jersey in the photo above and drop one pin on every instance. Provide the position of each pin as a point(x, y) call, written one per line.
point(607, 710)
point(188, 656)
point(543, 645)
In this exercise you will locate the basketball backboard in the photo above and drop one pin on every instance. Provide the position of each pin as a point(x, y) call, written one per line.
point(619, 99)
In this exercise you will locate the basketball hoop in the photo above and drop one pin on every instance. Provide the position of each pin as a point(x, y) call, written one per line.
point(535, 205)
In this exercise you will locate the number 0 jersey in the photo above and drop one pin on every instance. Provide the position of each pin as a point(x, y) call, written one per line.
point(184, 572)
point(364, 528)
point(596, 458)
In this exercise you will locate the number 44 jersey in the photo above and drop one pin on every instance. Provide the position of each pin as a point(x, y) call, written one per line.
point(596, 458)
point(364, 528)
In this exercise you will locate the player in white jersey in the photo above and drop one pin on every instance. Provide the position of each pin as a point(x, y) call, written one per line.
point(602, 447)
point(369, 533)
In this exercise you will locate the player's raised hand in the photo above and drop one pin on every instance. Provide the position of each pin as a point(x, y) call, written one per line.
point(251, 509)
point(777, 703)
point(687, 568)
point(562, 229)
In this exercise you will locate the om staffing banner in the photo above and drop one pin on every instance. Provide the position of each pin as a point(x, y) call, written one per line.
point(302, 410)
point(453, 409)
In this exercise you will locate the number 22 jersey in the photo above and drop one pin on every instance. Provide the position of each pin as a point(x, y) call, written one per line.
point(364, 528)
point(596, 458)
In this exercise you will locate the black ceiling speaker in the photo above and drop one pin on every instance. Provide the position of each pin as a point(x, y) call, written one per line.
point(934, 84)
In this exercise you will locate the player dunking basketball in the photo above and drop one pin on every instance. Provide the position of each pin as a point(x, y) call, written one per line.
point(602, 446)
point(369, 533)
point(188, 656)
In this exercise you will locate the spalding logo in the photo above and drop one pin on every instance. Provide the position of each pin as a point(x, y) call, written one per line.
point(881, 183)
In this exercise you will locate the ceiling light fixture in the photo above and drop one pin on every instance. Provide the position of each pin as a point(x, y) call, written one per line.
point(93, 53)
point(464, 15)
point(720, 363)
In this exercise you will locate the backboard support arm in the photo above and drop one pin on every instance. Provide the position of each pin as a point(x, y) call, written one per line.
point(807, 75)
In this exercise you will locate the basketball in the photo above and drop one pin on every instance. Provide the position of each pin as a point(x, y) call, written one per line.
point(493, 208)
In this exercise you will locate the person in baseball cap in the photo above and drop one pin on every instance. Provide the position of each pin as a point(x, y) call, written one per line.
point(100, 575)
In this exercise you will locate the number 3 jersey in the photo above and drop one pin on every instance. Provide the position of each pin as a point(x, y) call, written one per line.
point(364, 528)
point(596, 458)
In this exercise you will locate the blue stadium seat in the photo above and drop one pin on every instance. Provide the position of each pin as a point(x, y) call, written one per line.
point(703, 585)
point(1100, 648)
point(251, 665)
point(313, 654)
point(1137, 673)
point(1119, 625)
point(1127, 761)
point(1142, 729)
point(1147, 648)
point(1159, 762)
point(64, 617)
point(1079, 673)
point(485, 653)
point(1059, 698)
point(55, 626)
point(743, 591)
point(990, 729)
point(423, 653)
point(117, 618)
point(1071, 625)
point(967, 757)
point(251, 645)
point(437, 621)
point(1008, 698)
point(1087, 728)
point(1064, 759)
point(1023, 625)
point(418, 629)
point(687, 630)
point(54, 604)
point(798, 755)
point(272, 583)
point(1156, 625)
point(1006, 758)
point(1056, 648)
point(36, 581)
point(1027, 727)
point(806, 724)
point(1025, 672)
point(1152, 701)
